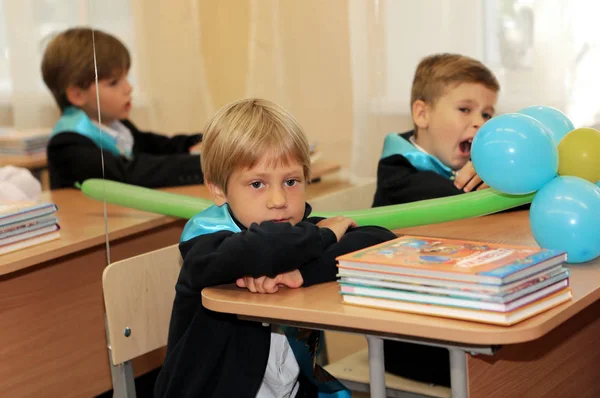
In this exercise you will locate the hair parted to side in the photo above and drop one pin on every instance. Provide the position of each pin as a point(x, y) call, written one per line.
point(69, 61)
point(436, 72)
point(241, 133)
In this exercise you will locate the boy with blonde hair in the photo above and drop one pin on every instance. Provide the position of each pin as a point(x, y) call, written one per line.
point(259, 235)
point(87, 130)
point(452, 96)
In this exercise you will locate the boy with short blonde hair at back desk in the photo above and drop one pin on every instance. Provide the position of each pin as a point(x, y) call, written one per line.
point(452, 96)
point(259, 235)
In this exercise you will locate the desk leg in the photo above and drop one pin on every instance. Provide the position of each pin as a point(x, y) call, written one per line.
point(458, 373)
point(376, 367)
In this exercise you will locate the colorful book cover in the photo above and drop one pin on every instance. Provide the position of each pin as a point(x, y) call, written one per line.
point(523, 289)
point(451, 256)
point(29, 242)
point(27, 225)
point(474, 315)
point(416, 282)
point(18, 211)
point(452, 301)
point(27, 235)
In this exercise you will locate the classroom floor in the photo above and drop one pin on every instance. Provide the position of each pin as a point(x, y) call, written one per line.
point(144, 386)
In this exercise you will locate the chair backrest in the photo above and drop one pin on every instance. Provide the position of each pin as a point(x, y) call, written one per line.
point(357, 197)
point(138, 296)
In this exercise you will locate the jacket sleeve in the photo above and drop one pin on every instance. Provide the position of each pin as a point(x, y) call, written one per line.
point(76, 158)
point(324, 268)
point(158, 144)
point(267, 249)
point(400, 182)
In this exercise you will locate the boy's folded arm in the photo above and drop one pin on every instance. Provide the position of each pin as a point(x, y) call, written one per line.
point(267, 249)
point(83, 160)
point(157, 144)
point(324, 268)
point(163, 170)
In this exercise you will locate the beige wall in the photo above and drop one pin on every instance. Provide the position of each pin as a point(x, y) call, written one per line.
point(294, 53)
point(195, 57)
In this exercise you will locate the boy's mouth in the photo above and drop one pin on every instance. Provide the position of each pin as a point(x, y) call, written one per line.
point(282, 220)
point(464, 147)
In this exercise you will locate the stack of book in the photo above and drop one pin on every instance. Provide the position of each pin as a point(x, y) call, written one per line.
point(15, 142)
point(26, 224)
point(475, 281)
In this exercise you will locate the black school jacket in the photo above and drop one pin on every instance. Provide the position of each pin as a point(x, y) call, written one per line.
point(398, 181)
point(158, 161)
point(212, 354)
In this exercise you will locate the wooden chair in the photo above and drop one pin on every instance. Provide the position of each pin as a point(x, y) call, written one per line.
point(138, 296)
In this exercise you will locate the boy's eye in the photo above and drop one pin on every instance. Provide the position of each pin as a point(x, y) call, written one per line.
point(464, 110)
point(114, 82)
point(291, 182)
point(256, 184)
point(487, 116)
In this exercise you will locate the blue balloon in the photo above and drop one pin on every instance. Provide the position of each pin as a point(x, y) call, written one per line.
point(554, 120)
point(565, 215)
point(514, 154)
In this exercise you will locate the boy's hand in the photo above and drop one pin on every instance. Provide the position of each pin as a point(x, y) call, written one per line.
point(338, 224)
point(292, 279)
point(196, 148)
point(467, 179)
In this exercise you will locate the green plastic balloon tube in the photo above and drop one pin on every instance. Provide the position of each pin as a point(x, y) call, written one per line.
point(425, 212)
point(146, 199)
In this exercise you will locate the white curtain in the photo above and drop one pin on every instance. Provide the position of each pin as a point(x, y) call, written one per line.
point(343, 67)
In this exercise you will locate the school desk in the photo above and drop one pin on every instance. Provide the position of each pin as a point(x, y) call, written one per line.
point(554, 354)
point(51, 306)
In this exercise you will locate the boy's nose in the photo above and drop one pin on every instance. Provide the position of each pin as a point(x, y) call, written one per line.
point(478, 121)
point(276, 199)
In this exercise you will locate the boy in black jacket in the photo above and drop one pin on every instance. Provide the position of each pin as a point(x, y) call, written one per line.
point(259, 234)
point(452, 96)
point(80, 135)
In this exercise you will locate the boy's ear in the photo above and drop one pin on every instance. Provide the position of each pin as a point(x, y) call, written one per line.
point(76, 95)
point(217, 193)
point(420, 114)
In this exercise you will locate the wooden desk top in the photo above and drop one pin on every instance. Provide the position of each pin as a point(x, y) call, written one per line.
point(322, 305)
point(82, 226)
point(82, 222)
point(28, 162)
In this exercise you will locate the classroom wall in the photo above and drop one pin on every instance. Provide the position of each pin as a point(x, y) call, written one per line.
point(334, 64)
point(202, 55)
point(342, 67)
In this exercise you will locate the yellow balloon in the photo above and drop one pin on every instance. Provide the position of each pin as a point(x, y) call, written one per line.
point(579, 154)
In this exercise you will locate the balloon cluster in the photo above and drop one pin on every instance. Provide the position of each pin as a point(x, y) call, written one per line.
point(539, 149)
